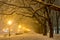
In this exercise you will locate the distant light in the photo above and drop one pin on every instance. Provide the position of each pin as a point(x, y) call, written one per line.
point(9, 22)
point(5, 30)
point(19, 26)
point(26, 29)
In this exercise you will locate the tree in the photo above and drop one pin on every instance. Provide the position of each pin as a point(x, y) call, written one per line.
point(57, 21)
point(31, 5)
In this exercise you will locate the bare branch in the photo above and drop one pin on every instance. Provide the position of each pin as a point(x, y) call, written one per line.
point(25, 15)
point(51, 6)
point(14, 5)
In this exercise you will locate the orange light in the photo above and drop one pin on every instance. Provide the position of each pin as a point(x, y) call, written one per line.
point(19, 26)
point(9, 22)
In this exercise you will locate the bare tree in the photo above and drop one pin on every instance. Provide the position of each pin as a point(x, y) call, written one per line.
point(47, 8)
point(57, 21)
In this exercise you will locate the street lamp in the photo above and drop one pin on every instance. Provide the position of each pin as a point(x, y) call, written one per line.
point(9, 23)
point(19, 28)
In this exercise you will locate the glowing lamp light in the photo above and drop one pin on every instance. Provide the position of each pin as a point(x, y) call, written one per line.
point(9, 22)
point(19, 26)
point(26, 29)
point(5, 30)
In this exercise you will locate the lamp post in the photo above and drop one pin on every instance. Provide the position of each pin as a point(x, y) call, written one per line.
point(9, 23)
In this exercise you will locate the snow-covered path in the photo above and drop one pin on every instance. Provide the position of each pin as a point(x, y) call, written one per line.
point(28, 36)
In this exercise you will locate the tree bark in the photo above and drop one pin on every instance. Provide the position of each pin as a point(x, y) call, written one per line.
point(49, 23)
point(44, 28)
point(51, 28)
point(57, 24)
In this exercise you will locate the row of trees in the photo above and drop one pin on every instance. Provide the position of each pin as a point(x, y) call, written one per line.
point(40, 10)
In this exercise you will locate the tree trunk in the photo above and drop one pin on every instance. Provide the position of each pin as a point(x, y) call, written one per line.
point(57, 24)
point(44, 28)
point(51, 29)
point(49, 22)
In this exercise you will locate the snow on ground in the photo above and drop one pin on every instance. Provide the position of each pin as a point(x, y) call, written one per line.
point(56, 36)
point(28, 36)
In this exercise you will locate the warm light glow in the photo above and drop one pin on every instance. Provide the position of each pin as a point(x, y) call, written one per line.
point(5, 29)
point(19, 26)
point(18, 30)
point(26, 29)
point(11, 29)
point(9, 22)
